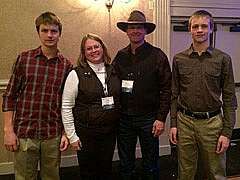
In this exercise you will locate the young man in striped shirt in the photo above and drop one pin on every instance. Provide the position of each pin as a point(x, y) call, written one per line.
point(31, 104)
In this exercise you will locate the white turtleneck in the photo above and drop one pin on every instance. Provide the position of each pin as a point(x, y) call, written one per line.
point(70, 93)
point(100, 71)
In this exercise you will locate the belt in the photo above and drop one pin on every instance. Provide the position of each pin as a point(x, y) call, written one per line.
point(200, 115)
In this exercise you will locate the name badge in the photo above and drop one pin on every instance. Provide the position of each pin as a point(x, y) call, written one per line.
point(127, 86)
point(108, 102)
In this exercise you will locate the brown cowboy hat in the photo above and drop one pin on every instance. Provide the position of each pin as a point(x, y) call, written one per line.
point(137, 17)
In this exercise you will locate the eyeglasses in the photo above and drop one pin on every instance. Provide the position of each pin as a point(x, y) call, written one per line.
point(94, 47)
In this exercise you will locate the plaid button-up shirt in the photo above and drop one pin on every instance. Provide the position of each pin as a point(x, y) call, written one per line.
point(34, 93)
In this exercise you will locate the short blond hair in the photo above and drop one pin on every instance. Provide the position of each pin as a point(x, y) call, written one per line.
point(201, 13)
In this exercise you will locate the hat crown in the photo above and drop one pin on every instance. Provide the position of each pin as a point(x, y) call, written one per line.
point(137, 16)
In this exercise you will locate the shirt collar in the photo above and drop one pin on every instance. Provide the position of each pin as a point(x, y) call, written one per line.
point(38, 52)
point(97, 67)
point(192, 53)
point(139, 49)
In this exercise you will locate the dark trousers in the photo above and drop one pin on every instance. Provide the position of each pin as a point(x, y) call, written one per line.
point(95, 156)
point(131, 128)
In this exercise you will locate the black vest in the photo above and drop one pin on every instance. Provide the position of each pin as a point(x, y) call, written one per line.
point(88, 111)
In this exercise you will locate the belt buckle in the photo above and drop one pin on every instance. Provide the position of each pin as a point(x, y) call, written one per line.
point(183, 111)
point(201, 115)
point(208, 115)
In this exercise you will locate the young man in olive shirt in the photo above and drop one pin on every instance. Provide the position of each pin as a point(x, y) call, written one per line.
point(202, 88)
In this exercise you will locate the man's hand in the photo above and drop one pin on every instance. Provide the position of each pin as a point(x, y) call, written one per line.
point(223, 143)
point(64, 143)
point(76, 145)
point(11, 141)
point(173, 135)
point(158, 128)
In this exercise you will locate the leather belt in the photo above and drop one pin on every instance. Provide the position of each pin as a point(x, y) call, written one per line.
point(200, 115)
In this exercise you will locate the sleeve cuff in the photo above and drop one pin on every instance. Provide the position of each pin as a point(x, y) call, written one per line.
point(173, 122)
point(74, 138)
point(227, 133)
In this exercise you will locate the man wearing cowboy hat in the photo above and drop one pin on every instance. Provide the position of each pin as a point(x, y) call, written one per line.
point(145, 97)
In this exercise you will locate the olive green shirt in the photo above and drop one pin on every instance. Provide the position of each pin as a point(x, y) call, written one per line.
point(204, 83)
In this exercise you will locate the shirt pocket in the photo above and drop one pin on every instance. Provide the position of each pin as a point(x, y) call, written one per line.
point(213, 75)
point(213, 70)
point(185, 74)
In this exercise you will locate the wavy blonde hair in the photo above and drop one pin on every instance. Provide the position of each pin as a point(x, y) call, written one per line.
point(82, 58)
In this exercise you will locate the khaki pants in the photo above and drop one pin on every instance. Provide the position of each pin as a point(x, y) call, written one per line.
point(198, 138)
point(32, 151)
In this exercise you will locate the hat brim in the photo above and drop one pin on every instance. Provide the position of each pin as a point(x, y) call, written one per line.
point(150, 27)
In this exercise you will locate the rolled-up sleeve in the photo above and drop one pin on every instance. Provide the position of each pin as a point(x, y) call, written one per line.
point(13, 88)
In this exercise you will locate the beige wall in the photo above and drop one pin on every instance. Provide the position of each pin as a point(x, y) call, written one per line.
point(17, 33)
point(5, 156)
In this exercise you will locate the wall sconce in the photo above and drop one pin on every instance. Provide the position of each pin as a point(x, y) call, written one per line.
point(125, 1)
point(109, 4)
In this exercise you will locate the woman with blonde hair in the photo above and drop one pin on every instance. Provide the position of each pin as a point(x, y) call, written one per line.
point(90, 109)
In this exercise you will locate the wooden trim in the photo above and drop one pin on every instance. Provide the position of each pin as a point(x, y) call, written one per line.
point(162, 19)
point(6, 168)
point(222, 8)
point(223, 4)
point(3, 84)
